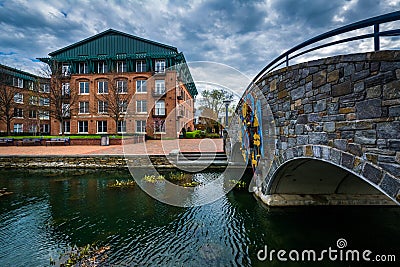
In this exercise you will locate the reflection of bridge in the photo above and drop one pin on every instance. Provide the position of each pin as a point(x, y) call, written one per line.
point(326, 131)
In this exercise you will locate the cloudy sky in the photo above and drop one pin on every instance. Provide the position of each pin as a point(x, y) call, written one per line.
point(244, 35)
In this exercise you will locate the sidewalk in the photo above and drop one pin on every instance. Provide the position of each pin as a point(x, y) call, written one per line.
point(151, 147)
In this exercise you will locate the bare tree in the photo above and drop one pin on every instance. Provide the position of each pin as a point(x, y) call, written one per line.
point(115, 97)
point(212, 101)
point(61, 97)
point(7, 103)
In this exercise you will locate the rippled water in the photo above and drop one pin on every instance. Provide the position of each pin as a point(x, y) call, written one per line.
point(51, 211)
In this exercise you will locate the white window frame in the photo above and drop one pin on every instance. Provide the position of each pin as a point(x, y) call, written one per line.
point(82, 85)
point(102, 107)
point(18, 98)
point(83, 126)
point(44, 115)
point(141, 106)
point(121, 66)
point(19, 128)
point(18, 82)
point(65, 127)
point(19, 113)
point(160, 86)
point(160, 65)
point(123, 106)
point(121, 126)
point(122, 86)
point(44, 88)
point(141, 125)
point(65, 70)
point(65, 89)
point(84, 107)
point(102, 67)
point(159, 108)
point(102, 87)
point(33, 100)
point(32, 111)
point(140, 65)
point(44, 101)
point(141, 86)
point(83, 68)
point(66, 109)
point(45, 128)
point(102, 126)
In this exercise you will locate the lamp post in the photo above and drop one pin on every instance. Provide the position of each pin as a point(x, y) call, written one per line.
point(226, 102)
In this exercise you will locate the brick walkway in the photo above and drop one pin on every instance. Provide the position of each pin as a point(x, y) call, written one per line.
point(151, 147)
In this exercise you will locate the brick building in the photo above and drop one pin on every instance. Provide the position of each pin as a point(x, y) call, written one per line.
point(24, 102)
point(115, 82)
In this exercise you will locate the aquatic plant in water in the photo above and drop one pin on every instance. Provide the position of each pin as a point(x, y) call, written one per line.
point(122, 184)
point(86, 256)
point(191, 184)
point(153, 179)
point(240, 185)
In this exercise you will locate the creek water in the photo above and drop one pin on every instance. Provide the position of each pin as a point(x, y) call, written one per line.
point(51, 211)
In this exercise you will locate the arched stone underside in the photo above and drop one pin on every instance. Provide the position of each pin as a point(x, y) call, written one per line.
point(322, 175)
point(333, 122)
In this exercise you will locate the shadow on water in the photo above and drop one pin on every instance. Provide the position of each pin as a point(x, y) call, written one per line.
point(54, 210)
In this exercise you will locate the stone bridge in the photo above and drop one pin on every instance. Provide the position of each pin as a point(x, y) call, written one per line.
point(324, 132)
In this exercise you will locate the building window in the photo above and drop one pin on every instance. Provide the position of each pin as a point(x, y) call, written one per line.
point(33, 128)
point(18, 82)
point(141, 86)
point(83, 107)
point(33, 100)
point(66, 127)
point(102, 67)
point(121, 66)
point(141, 126)
point(101, 126)
point(159, 126)
point(65, 90)
point(160, 87)
point(18, 127)
point(83, 126)
point(141, 106)
point(19, 98)
point(18, 113)
point(83, 88)
point(102, 87)
point(44, 88)
point(121, 127)
point(159, 109)
point(45, 128)
point(102, 107)
point(65, 69)
point(83, 68)
point(140, 66)
point(122, 86)
point(32, 114)
point(44, 115)
point(123, 106)
point(160, 65)
point(44, 101)
point(66, 110)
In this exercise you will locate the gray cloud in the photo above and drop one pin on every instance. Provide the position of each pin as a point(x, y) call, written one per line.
point(243, 34)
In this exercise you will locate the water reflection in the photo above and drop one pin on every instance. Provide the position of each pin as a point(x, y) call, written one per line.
point(49, 212)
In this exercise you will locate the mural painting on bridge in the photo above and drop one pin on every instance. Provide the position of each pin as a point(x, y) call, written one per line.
point(251, 136)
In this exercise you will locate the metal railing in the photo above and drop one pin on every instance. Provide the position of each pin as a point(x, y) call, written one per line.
point(374, 21)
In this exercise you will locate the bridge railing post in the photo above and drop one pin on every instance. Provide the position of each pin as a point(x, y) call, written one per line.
point(376, 37)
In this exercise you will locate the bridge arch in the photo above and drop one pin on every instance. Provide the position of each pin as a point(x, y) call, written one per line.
point(315, 174)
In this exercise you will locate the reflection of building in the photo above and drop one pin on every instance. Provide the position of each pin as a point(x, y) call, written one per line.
point(113, 69)
point(24, 97)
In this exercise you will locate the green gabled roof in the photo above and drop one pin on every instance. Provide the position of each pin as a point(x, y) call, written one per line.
point(18, 73)
point(111, 43)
